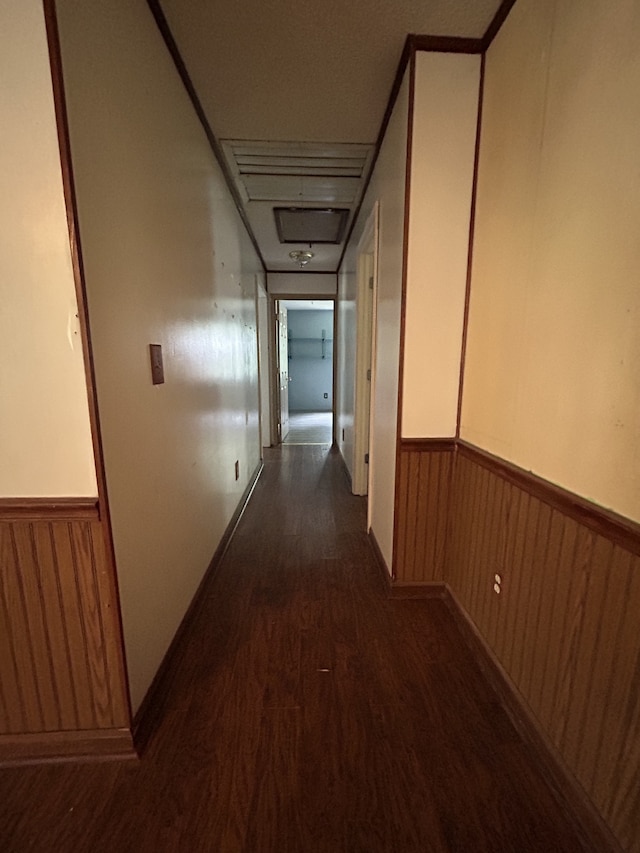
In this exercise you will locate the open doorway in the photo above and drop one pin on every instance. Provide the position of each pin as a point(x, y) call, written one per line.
point(309, 370)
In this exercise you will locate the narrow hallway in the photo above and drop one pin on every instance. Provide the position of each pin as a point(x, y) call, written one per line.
point(309, 710)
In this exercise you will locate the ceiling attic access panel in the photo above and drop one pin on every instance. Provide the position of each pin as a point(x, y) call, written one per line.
point(310, 224)
point(301, 176)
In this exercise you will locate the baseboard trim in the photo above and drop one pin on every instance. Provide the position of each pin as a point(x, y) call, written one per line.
point(144, 721)
point(234, 521)
point(423, 589)
point(385, 574)
point(605, 522)
point(345, 467)
point(578, 806)
point(56, 747)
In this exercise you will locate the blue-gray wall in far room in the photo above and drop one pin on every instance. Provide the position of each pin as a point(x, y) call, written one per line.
point(311, 374)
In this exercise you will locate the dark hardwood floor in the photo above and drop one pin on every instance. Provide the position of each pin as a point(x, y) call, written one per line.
point(308, 711)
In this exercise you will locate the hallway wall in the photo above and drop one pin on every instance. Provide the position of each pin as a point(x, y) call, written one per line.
point(301, 284)
point(168, 262)
point(46, 448)
point(62, 686)
point(552, 380)
point(388, 187)
point(551, 385)
point(445, 117)
point(310, 374)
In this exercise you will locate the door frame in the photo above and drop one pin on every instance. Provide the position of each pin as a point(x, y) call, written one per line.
point(274, 337)
point(274, 366)
point(366, 320)
point(265, 374)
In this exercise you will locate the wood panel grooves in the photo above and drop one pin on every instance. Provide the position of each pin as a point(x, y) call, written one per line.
point(97, 648)
point(619, 529)
point(83, 646)
point(422, 511)
point(605, 762)
point(589, 822)
point(34, 637)
point(60, 669)
point(69, 716)
point(23, 639)
point(562, 626)
point(51, 663)
point(16, 709)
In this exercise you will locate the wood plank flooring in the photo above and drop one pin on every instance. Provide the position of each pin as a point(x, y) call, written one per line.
point(308, 711)
point(310, 428)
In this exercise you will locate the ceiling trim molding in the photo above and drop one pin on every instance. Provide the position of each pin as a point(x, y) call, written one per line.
point(446, 44)
point(216, 148)
point(299, 271)
point(305, 297)
point(407, 52)
point(413, 43)
point(436, 44)
point(498, 20)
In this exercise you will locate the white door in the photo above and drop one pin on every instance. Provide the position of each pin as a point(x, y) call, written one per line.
point(265, 378)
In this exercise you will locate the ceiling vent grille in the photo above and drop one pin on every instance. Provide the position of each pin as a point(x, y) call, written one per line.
point(311, 173)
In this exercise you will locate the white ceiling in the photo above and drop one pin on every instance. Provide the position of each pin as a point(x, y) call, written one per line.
point(295, 72)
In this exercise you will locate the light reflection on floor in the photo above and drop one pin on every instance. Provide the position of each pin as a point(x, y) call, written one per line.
point(310, 428)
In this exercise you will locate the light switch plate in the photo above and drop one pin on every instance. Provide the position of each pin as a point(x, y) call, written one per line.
point(157, 368)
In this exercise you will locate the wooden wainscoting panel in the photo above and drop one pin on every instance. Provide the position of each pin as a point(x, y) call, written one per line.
point(85, 554)
point(75, 651)
point(617, 762)
point(60, 649)
point(564, 626)
point(422, 510)
point(107, 594)
point(624, 588)
point(22, 685)
point(559, 618)
point(577, 806)
point(401, 544)
point(31, 628)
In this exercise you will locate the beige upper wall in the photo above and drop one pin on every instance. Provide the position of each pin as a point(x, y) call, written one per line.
point(169, 262)
point(445, 118)
point(552, 381)
point(45, 449)
point(388, 188)
point(302, 284)
point(345, 390)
